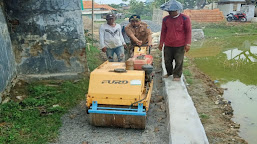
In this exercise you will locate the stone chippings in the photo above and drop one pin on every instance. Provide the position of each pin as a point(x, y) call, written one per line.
point(76, 128)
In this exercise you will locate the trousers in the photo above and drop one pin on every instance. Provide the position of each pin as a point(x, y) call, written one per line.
point(119, 51)
point(177, 54)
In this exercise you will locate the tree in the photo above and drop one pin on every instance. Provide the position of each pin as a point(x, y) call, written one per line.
point(136, 7)
point(116, 6)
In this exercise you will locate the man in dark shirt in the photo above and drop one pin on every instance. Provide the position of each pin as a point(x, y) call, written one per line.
point(176, 38)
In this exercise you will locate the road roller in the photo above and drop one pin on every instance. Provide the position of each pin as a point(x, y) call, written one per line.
point(119, 92)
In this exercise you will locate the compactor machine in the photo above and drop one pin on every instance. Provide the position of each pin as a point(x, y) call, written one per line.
point(119, 92)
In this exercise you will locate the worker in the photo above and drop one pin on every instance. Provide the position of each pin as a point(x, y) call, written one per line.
point(138, 32)
point(175, 37)
point(111, 39)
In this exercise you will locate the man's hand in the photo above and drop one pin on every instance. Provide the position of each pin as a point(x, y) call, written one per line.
point(160, 47)
point(139, 43)
point(187, 48)
point(104, 49)
point(125, 46)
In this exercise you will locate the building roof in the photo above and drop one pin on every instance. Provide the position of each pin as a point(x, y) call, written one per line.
point(88, 5)
point(108, 7)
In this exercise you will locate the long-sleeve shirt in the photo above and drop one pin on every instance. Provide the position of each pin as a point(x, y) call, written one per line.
point(111, 37)
point(176, 32)
point(142, 32)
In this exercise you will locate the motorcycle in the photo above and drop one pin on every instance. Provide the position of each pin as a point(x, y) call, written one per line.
point(237, 17)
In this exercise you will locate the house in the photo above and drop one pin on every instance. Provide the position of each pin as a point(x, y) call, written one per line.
point(100, 10)
point(211, 6)
point(233, 6)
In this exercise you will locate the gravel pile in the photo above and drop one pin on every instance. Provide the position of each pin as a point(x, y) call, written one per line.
point(153, 26)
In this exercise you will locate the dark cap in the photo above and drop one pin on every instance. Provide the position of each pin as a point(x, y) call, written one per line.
point(135, 18)
point(110, 16)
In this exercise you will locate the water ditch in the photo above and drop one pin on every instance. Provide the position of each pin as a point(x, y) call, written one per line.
point(232, 64)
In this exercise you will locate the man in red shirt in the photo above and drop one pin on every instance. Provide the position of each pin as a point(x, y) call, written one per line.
point(176, 38)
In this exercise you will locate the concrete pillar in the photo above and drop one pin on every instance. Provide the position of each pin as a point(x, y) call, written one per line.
point(7, 61)
point(47, 37)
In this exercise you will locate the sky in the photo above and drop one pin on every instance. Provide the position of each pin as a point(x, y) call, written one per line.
point(111, 1)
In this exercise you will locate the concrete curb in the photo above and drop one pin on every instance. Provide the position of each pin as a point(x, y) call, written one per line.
point(184, 125)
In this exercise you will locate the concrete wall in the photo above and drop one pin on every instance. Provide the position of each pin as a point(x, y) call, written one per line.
point(226, 8)
point(249, 11)
point(7, 61)
point(47, 37)
point(229, 8)
point(238, 7)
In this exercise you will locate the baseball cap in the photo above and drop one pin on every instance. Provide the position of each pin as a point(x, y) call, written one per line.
point(110, 16)
point(135, 18)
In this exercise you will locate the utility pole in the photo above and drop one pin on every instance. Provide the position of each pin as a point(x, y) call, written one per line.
point(82, 7)
point(92, 22)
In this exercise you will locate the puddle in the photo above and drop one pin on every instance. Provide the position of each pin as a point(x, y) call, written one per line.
point(233, 64)
point(244, 103)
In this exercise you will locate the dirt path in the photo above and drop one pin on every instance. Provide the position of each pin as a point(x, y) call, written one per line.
point(214, 111)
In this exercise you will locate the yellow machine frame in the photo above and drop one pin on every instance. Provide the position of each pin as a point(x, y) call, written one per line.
point(117, 94)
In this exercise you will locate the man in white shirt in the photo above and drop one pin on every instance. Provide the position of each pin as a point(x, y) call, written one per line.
point(111, 39)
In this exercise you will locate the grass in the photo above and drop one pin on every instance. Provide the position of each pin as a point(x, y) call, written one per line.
point(37, 118)
point(186, 72)
point(119, 21)
point(93, 58)
point(221, 37)
point(228, 70)
point(93, 53)
point(224, 29)
point(204, 116)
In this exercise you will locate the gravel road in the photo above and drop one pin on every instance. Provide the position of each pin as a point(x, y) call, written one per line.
point(77, 130)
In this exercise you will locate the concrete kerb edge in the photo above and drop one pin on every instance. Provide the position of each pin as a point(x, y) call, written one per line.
point(167, 111)
point(169, 121)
